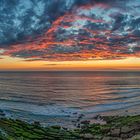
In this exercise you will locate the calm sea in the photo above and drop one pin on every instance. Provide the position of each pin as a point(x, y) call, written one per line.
point(60, 97)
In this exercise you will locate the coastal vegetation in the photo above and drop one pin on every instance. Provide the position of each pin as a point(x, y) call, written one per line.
point(115, 128)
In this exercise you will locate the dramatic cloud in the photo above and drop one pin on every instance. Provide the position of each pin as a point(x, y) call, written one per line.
point(70, 29)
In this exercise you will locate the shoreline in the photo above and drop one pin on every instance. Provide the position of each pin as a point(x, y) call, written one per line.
point(114, 128)
point(71, 120)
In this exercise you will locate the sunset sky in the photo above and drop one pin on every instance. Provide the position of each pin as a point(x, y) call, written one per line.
point(69, 35)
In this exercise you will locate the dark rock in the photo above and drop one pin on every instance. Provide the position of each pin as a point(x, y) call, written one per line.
point(56, 127)
point(98, 117)
point(112, 138)
point(36, 123)
point(86, 122)
point(78, 125)
point(115, 132)
point(64, 128)
point(136, 126)
point(126, 129)
point(75, 113)
point(87, 136)
point(80, 117)
point(128, 135)
point(124, 136)
point(2, 113)
point(106, 138)
point(105, 130)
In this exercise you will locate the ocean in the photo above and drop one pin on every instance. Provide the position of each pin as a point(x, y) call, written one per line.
point(61, 97)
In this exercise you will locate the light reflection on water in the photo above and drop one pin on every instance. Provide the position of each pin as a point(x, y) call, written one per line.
point(62, 94)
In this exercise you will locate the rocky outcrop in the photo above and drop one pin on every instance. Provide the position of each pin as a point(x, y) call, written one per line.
point(116, 128)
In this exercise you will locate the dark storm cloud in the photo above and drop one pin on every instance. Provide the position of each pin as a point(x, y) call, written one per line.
point(20, 19)
point(69, 29)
